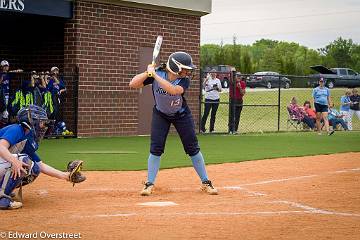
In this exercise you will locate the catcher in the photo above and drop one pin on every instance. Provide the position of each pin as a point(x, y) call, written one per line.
point(19, 163)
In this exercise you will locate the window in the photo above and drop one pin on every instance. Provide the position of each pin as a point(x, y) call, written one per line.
point(342, 72)
point(351, 72)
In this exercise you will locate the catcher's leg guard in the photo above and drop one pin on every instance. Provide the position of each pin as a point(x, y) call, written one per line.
point(8, 183)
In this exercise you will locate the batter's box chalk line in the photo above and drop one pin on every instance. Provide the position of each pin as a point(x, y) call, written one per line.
point(309, 209)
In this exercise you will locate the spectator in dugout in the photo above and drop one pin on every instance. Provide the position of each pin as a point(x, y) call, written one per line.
point(300, 113)
point(31, 90)
point(5, 79)
point(57, 88)
point(43, 81)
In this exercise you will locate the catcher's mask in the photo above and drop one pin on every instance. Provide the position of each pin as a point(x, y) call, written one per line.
point(35, 119)
point(179, 61)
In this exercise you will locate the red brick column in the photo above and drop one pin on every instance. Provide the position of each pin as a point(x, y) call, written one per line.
point(103, 42)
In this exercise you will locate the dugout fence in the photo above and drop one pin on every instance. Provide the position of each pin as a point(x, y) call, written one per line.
point(25, 89)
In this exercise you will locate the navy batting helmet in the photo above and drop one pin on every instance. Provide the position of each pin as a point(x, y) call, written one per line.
point(31, 117)
point(178, 61)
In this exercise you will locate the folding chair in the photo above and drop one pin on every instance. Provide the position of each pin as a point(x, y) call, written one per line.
point(293, 120)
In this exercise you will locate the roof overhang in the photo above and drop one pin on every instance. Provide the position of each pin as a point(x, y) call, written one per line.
point(190, 7)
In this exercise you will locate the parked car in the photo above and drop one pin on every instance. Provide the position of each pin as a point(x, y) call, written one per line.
point(268, 80)
point(334, 77)
point(223, 72)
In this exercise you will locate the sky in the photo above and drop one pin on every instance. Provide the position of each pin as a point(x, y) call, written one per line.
point(312, 23)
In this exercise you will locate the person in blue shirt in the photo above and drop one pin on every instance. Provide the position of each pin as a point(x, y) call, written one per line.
point(56, 84)
point(345, 108)
point(19, 162)
point(336, 118)
point(169, 84)
point(5, 81)
point(321, 95)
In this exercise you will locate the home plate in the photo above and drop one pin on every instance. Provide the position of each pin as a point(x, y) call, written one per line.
point(158, 204)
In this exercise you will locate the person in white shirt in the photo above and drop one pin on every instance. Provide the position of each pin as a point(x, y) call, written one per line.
point(212, 86)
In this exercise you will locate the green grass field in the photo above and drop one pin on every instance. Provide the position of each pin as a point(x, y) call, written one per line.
point(130, 153)
point(265, 118)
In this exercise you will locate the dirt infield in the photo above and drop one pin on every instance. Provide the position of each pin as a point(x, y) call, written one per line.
point(315, 197)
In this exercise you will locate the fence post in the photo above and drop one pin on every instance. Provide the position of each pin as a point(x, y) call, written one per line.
point(200, 98)
point(279, 101)
point(76, 98)
point(232, 103)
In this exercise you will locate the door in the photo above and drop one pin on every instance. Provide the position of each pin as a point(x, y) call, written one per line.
point(145, 97)
point(353, 79)
point(342, 79)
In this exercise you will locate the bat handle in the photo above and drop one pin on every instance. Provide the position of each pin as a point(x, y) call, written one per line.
point(151, 74)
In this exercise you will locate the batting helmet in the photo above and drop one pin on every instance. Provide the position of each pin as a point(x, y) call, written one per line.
point(31, 117)
point(178, 61)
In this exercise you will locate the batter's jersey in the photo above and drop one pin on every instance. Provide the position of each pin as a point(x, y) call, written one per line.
point(164, 102)
point(20, 142)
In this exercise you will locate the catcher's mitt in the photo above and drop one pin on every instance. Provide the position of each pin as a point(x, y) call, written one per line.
point(74, 168)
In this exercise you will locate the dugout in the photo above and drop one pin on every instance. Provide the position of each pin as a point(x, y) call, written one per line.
point(101, 44)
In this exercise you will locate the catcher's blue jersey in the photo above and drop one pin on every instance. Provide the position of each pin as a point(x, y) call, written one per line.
point(165, 102)
point(20, 142)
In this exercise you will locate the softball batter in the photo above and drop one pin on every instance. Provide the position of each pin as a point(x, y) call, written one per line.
point(169, 85)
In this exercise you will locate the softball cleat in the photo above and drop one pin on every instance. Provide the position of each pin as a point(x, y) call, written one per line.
point(7, 204)
point(148, 189)
point(207, 187)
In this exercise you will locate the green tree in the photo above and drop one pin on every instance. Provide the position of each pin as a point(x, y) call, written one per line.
point(247, 67)
point(282, 57)
point(338, 53)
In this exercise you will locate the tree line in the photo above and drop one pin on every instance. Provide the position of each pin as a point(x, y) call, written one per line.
point(287, 58)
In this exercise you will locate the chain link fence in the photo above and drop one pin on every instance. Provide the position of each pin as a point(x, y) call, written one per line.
point(33, 88)
point(264, 107)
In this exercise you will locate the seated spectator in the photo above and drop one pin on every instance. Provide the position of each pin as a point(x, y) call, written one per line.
point(309, 111)
point(336, 118)
point(300, 113)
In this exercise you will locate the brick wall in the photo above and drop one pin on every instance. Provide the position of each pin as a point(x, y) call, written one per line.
point(103, 41)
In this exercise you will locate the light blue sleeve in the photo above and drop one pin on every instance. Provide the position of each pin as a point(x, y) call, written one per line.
point(342, 100)
point(328, 92)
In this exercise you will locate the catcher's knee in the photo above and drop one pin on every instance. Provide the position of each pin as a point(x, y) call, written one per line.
point(8, 183)
point(33, 170)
